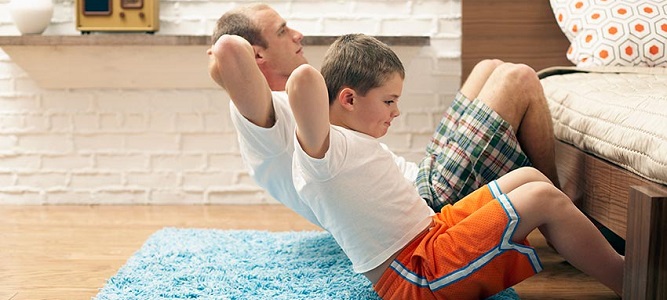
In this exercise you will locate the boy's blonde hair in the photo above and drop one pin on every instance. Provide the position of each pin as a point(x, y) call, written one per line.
point(238, 22)
point(359, 62)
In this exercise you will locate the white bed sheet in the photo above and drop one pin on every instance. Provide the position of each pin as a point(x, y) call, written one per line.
point(618, 114)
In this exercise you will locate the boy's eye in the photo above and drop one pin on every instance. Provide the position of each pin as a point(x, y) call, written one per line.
point(389, 102)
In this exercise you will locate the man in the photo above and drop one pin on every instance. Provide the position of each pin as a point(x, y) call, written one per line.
point(253, 54)
point(249, 73)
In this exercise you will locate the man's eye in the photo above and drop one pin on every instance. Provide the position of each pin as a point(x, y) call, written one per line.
point(389, 102)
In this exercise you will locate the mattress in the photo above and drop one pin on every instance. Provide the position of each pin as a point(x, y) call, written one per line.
point(618, 114)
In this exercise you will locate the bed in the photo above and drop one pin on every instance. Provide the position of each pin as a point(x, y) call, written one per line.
point(609, 107)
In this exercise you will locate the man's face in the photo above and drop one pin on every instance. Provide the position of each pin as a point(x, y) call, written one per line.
point(285, 51)
point(374, 112)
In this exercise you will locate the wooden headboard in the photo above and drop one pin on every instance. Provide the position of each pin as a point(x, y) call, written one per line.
point(519, 31)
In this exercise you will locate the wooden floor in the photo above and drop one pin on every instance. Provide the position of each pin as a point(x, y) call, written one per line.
point(68, 252)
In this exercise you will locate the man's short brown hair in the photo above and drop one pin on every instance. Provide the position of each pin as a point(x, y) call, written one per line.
point(238, 21)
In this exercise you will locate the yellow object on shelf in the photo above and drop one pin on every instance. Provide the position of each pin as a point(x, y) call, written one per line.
point(117, 15)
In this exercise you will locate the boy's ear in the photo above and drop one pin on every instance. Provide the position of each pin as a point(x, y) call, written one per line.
point(346, 98)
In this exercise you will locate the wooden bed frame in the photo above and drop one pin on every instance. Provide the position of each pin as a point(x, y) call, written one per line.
point(632, 207)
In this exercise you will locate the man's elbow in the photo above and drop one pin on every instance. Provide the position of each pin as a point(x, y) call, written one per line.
point(231, 48)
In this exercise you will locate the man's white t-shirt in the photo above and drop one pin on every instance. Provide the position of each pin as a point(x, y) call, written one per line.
point(360, 195)
point(267, 152)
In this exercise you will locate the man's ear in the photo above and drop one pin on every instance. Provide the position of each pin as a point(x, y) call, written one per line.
point(346, 98)
point(259, 54)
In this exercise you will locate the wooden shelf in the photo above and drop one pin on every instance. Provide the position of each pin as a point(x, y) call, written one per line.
point(124, 39)
point(129, 60)
point(142, 39)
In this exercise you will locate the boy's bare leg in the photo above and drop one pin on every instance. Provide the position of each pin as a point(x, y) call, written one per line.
point(563, 225)
point(515, 93)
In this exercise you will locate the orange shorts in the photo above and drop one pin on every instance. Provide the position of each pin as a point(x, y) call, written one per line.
point(467, 254)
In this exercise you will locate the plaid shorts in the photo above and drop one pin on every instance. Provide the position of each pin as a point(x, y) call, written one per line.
point(471, 147)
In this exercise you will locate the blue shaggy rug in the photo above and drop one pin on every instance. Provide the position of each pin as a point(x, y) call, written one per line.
point(240, 264)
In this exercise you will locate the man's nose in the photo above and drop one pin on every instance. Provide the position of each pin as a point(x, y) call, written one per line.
point(298, 36)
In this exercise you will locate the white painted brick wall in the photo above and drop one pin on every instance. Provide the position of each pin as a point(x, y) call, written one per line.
point(110, 146)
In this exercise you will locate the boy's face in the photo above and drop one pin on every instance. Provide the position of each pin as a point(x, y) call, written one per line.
point(284, 52)
point(374, 112)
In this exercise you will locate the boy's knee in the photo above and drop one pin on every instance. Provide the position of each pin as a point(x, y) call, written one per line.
point(549, 196)
point(532, 174)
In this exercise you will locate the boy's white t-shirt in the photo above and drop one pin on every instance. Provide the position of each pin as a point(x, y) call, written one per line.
point(268, 154)
point(360, 195)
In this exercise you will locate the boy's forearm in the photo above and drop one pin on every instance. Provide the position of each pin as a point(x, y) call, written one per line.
point(309, 101)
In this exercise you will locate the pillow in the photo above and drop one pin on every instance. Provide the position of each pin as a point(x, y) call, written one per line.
point(614, 32)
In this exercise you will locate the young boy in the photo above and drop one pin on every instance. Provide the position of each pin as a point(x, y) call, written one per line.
point(472, 249)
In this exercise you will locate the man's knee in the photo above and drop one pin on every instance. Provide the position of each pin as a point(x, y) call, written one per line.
point(515, 76)
point(519, 86)
point(479, 77)
point(508, 83)
point(489, 65)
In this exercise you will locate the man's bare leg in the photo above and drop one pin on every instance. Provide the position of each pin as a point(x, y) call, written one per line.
point(478, 77)
point(515, 93)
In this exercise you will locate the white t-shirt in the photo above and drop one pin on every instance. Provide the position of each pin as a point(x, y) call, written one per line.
point(268, 153)
point(360, 195)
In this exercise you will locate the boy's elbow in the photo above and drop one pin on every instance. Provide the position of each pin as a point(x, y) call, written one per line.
point(305, 72)
point(303, 75)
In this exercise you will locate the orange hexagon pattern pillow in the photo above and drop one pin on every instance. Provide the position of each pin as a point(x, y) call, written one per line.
point(614, 32)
